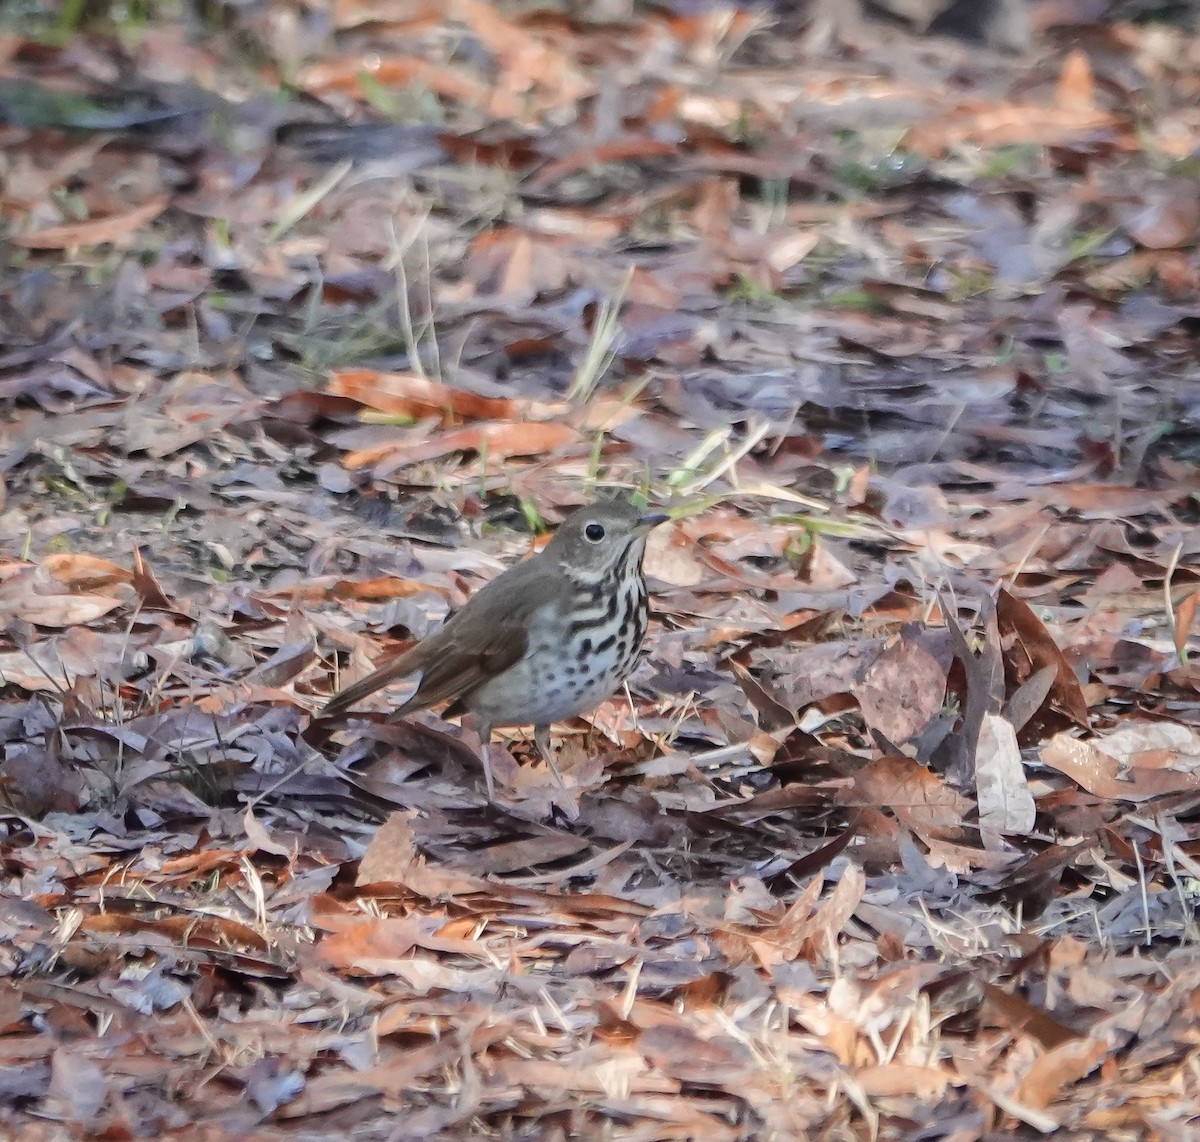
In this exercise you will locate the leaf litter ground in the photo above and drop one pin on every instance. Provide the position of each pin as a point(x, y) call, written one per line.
point(895, 834)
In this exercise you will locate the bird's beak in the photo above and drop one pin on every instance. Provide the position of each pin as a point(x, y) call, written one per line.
point(652, 519)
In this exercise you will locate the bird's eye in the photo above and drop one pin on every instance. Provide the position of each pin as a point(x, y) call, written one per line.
point(594, 532)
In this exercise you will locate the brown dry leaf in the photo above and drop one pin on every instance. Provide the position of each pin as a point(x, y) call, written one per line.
point(901, 691)
point(530, 852)
point(84, 572)
point(628, 1068)
point(1000, 125)
point(180, 929)
point(775, 942)
point(806, 929)
point(147, 586)
point(671, 557)
point(408, 394)
point(343, 1087)
point(94, 232)
point(378, 589)
point(1062, 1065)
point(1168, 219)
point(823, 571)
point(512, 265)
point(835, 911)
point(1153, 745)
point(814, 673)
point(1024, 1017)
point(1100, 773)
point(392, 858)
point(54, 663)
point(888, 1080)
point(528, 60)
point(918, 797)
point(1028, 648)
point(31, 598)
point(1076, 87)
point(497, 440)
point(375, 946)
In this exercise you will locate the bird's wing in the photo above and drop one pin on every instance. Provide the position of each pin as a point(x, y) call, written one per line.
point(486, 636)
point(458, 669)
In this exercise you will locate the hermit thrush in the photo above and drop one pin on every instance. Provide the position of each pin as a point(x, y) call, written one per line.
point(549, 638)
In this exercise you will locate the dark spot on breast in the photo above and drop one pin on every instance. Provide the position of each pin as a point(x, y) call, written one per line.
point(585, 647)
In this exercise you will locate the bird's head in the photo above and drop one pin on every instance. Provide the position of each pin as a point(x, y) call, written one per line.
point(595, 540)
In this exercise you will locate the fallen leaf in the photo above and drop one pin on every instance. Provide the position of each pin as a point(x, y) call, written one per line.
point(917, 797)
point(1005, 802)
point(496, 440)
point(408, 394)
point(1076, 87)
point(901, 691)
point(94, 232)
point(1063, 1064)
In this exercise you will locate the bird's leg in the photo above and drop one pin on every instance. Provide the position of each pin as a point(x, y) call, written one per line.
point(541, 739)
point(485, 741)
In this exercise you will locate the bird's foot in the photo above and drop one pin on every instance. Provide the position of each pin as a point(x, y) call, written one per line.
point(541, 738)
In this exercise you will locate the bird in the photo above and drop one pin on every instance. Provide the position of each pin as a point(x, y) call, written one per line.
point(550, 637)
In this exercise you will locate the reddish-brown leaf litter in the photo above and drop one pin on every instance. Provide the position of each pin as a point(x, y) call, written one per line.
point(316, 316)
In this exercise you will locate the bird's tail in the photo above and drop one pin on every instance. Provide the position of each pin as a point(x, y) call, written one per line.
point(398, 667)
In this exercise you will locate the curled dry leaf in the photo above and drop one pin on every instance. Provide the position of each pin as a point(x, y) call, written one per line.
point(1028, 647)
point(260, 839)
point(148, 587)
